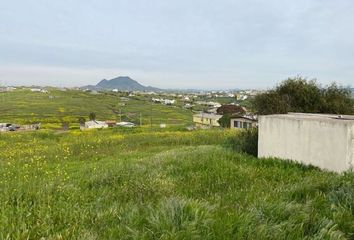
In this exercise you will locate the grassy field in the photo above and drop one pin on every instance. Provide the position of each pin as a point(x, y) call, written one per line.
point(162, 184)
point(51, 109)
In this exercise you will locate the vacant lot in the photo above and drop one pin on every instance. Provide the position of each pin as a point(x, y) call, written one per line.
point(140, 184)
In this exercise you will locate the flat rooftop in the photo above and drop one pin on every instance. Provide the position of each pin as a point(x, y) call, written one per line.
point(316, 117)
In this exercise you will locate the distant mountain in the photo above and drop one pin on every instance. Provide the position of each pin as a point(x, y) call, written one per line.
point(120, 83)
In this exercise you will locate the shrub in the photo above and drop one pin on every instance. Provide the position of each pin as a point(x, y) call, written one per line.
point(230, 109)
point(224, 121)
point(302, 95)
point(246, 141)
point(92, 116)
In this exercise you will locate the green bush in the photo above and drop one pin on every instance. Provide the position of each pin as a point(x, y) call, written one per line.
point(246, 141)
point(224, 121)
point(302, 95)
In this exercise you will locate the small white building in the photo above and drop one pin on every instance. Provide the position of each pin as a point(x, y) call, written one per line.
point(39, 90)
point(125, 124)
point(325, 141)
point(36, 90)
point(206, 120)
point(243, 122)
point(95, 124)
point(169, 101)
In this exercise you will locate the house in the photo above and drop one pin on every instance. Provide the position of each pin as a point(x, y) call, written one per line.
point(188, 105)
point(9, 127)
point(94, 124)
point(212, 110)
point(36, 90)
point(110, 123)
point(30, 127)
point(164, 101)
point(206, 120)
point(169, 102)
point(6, 127)
point(124, 99)
point(39, 90)
point(244, 122)
point(209, 104)
point(125, 124)
point(156, 100)
point(325, 141)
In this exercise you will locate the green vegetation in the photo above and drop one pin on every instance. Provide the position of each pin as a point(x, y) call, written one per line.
point(299, 95)
point(52, 109)
point(225, 120)
point(246, 141)
point(162, 184)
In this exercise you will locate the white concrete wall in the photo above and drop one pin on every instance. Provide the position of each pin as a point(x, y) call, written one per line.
point(325, 144)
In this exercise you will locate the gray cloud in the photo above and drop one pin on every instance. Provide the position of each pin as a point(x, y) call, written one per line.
point(211, 44)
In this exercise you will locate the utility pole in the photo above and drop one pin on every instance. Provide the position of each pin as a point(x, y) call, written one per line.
point(141, 121)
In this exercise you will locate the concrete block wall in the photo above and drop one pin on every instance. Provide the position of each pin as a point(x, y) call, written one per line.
point(324, 141)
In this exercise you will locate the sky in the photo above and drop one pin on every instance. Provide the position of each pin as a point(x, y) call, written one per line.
point(204, 44)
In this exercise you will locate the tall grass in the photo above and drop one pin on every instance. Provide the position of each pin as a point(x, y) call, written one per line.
point(145, 184)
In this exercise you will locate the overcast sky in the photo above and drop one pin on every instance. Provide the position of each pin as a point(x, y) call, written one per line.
point(176, 43)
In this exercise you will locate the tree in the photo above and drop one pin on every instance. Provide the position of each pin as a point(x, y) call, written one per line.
point(270, 103)
point(230, 109)
point(82, 120)
point(302, 95)
point(337, 100)
point(92, 116)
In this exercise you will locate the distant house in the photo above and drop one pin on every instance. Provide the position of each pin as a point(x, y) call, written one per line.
point(206, 120)
point(212, 110)
point(125, 124)
point(186, 99)
point(168, 101)
point(38, 90)
point(5, 127)
point(188, 105)
point(124, 99)
point(209, 104)
point(110, 123)
point(9, 127)
point(164, 101)
point(30, 127)
point(244, 122)
point(95, 124)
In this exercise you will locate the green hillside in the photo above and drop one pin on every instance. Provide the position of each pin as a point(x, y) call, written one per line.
point(24, 106)
point(154, 184)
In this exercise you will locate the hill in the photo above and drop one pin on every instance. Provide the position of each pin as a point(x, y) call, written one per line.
point(120, 83)
point(162, 184)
